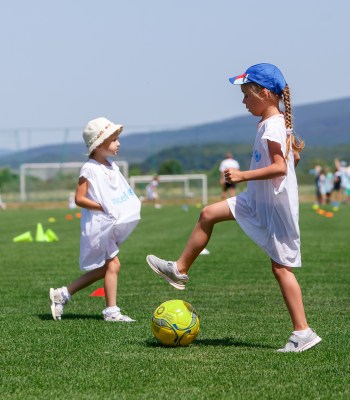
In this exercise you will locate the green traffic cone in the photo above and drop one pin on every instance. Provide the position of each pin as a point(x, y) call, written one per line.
point(24, 237)
point(51, 236)
point(40, 235)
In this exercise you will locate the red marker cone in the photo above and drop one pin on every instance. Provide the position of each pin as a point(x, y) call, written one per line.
point(100, 292)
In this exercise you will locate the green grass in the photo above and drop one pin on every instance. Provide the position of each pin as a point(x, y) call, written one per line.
point(243, 318)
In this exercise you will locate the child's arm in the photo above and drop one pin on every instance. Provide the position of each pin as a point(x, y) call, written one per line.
point(80, 196)
point(277, 168)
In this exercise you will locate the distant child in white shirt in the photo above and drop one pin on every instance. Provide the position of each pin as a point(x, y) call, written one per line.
point(2, 204)
point(268, 211)
point(152, 192)
point(110, 212)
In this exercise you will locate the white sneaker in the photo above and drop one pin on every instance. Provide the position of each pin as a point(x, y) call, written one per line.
point(296, 344)
point(59, 297)
point(113, 314)
point(168, 270)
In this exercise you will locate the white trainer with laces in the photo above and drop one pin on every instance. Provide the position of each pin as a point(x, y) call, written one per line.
point(58, 297)
point(167, 270)
point(113, 314)
point(297, 344)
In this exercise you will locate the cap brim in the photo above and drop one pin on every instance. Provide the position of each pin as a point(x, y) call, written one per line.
point(239, 79)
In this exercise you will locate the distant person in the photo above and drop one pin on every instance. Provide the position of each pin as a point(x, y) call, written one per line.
point(319, 183)
point(345, 179)
point(268, 210)
point(110, 212)
point(2, 204)
point(71, 201)
point(337, 187)
point(152, 192)
point(322, 186)
point(228, 162)
point(329, 184)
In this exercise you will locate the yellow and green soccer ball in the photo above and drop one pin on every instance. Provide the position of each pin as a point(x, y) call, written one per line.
point(175, 323)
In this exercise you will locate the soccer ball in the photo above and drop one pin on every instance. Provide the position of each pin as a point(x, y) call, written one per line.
point(175, 323)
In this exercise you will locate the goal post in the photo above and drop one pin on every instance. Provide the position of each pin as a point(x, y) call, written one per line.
point(183, 178)
point(45, 171)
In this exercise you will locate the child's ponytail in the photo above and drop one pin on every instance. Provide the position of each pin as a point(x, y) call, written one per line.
point(293, 141)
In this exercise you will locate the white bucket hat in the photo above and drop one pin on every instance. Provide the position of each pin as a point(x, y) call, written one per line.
point(97, 131)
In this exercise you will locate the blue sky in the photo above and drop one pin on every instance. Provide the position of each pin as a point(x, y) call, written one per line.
point(161, 63)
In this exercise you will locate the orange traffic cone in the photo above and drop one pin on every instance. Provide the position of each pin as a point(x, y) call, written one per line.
point(100, 292)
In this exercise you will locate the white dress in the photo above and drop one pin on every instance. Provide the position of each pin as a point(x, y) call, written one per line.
point(268, 211)
point(151, 190)
point(102, 233)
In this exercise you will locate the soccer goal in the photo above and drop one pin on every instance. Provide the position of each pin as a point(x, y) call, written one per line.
point(175, 186)
point(53, 181)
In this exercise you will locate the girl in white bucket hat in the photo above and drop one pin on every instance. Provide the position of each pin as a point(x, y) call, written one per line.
point(110, 212)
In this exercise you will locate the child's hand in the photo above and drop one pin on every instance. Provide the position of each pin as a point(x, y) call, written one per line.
point(233, 175)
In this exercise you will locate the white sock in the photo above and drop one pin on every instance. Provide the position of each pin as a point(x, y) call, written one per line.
point(304, 333)
point(112, 309)
point(65, 293)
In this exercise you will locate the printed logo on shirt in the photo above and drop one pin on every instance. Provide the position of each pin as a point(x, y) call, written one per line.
point(256, 155)
point(124, 197)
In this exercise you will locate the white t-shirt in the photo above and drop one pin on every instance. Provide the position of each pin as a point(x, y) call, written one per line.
point(103, 232)
point(228, 163)
point(329, 182)
point(268, 211)
point(151, 190)
point(345, 177)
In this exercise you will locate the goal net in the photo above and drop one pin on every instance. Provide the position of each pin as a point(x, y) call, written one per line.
point(188, 188)
point(53, 181)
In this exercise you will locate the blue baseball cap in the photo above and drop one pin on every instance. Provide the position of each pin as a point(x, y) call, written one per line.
point(265, 75)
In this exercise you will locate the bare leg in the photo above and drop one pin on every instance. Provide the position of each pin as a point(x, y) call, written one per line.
point(109, 272)
point(292, 295)
point(86, 280)
point(111, 280)
point(201, 233)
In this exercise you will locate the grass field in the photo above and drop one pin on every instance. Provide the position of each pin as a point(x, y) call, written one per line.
point(243, 318)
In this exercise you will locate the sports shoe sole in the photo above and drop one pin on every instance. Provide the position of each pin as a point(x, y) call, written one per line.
point(169, 280)
point(53, 307)
point(127, 321)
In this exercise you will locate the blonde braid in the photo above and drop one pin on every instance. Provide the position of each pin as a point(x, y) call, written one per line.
point(293, 141)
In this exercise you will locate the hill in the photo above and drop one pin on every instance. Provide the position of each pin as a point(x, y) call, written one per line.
point(324, 124)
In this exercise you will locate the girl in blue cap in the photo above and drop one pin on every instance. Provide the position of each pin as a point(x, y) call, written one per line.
point(268, 211)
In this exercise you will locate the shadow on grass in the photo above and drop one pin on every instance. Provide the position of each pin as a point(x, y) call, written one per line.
point(48, 317)
point(227, 341)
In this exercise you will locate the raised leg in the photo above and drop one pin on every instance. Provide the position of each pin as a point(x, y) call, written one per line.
point(209, 216)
